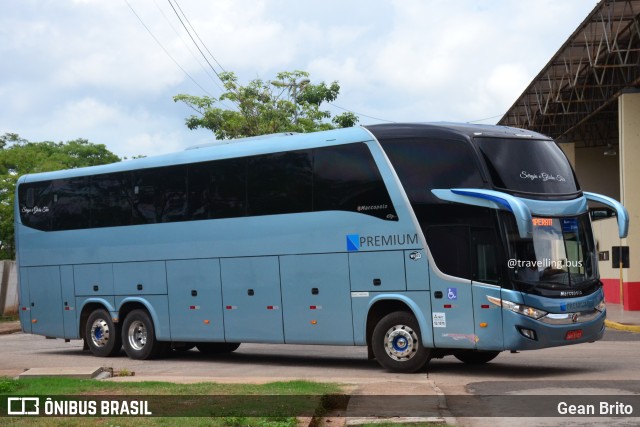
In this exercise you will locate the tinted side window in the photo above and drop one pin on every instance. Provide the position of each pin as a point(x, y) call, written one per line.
point(347, 178)
point(424, 164)
point(279, 183)
point(160, 195)
point(71, 203)
point(218, 189)
point(35, 205)
point(450, 247)
point(112, 202)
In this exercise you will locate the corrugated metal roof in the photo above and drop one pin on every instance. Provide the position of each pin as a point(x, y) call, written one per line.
point(574, 97)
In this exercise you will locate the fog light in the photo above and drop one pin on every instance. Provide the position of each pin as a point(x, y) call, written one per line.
point(528, 333)
point(573, 335)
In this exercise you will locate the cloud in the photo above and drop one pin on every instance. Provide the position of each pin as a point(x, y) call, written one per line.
point(89, 68)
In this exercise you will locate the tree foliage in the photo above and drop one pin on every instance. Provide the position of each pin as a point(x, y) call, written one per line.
point(19, 156)
point(291, 103)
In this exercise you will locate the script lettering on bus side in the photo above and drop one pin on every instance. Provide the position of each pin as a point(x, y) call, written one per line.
point(542, 176)
point(34, 210)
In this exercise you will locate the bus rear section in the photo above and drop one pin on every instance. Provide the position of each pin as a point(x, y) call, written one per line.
point(304, 239)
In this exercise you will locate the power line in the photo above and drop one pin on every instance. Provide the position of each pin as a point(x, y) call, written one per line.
point(196, 33)
point(194, 41)
point(360, 114)
point(206, 71)
point(165, 50)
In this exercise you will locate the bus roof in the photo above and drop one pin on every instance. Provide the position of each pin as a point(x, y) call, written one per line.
point(292, 141)
point(446, 129)
point(221, 150)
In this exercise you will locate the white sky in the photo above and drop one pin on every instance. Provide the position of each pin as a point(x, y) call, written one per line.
point(89, 69)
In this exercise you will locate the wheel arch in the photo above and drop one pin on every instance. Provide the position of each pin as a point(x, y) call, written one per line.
point(89, 306)
point(134, 303)
point(383, 304)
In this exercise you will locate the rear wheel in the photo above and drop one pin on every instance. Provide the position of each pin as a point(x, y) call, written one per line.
point(139, 336)
point(217, 347)
point(474, 357)
point(397, 343)
point(101, 335)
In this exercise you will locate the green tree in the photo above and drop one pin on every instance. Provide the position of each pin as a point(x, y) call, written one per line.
point(19, 156)
point(291, 103)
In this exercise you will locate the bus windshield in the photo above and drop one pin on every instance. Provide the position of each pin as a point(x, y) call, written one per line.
point(529, 166)
point(560, 255)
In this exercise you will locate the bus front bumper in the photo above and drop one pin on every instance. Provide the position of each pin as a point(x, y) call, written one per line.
point(524, 333)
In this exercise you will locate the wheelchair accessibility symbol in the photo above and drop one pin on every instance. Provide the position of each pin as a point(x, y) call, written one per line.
point(452, 293)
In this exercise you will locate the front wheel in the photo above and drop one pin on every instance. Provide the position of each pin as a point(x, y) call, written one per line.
point(139, 336)
point(396, 343)
point(101, 335)
point(474, 357)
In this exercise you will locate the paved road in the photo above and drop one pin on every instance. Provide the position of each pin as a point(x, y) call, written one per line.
point(607, 367)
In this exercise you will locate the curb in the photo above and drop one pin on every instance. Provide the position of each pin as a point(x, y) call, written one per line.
point(10, 327)
point(621, 326)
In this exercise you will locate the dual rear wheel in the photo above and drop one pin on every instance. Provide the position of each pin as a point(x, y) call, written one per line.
point(137, 336)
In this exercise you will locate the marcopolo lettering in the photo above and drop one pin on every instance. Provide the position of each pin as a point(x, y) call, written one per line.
point(355, 241)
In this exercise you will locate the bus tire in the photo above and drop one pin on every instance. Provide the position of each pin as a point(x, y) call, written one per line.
point(396, 343)
point(217, 347)
point(101, 335)
point(474, 357)
point(139, 336)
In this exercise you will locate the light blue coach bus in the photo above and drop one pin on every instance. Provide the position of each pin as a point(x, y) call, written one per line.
point(416, 240)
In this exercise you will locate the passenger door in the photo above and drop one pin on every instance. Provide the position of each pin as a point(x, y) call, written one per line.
point(486, 283)
point(451, 291)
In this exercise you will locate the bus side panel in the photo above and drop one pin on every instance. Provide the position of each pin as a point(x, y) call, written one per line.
point(452, 315)
point(195, 300)
point(25, 304)
point(316, 299)
point(487, 317)
point(45, 298)
point(69, 313)
point(252, 299)
point(417, 270)
point(140, 278)
point(377, 271)
point(93, 279)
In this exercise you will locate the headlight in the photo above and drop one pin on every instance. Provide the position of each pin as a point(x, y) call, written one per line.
point(525, 310)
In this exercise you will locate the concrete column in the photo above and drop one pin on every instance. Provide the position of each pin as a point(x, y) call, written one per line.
point(629, 153)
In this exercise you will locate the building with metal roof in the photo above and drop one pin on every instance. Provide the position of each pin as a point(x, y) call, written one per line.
point(587, 97)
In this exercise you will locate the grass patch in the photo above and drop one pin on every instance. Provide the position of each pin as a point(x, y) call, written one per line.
point(420, 424)
point(60, 386)
point(11, 318)
point(261, 398)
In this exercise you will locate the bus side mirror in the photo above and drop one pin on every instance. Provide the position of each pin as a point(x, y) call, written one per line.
point(621, 212)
